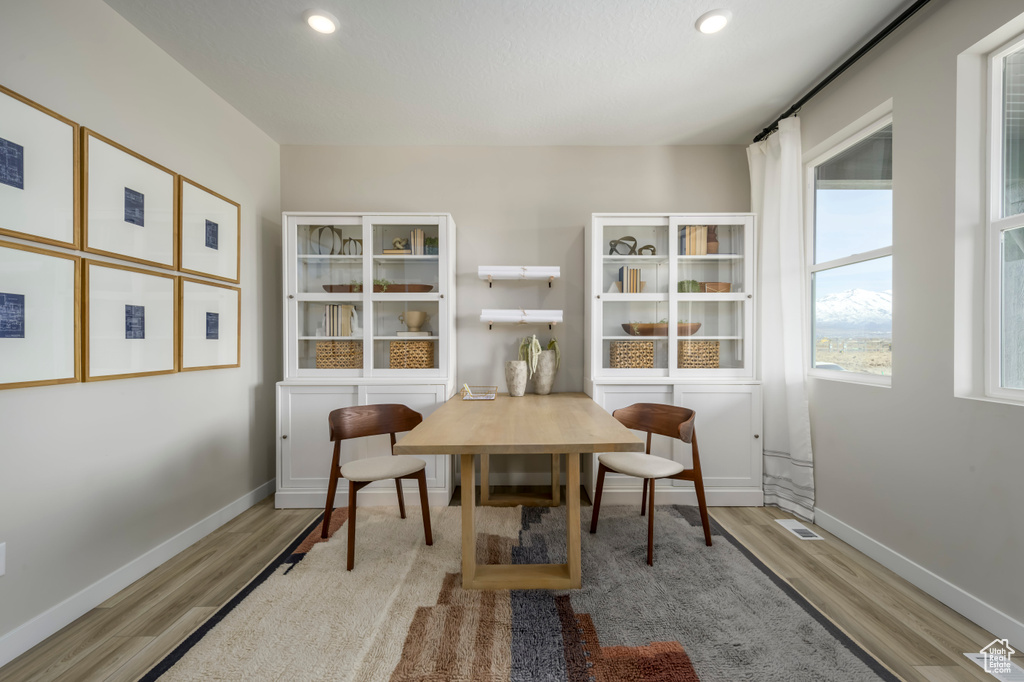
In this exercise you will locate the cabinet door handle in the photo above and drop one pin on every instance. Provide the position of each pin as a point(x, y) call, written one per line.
point(750, 296)
point(598, 296)
point(291, 296)
point(286, 437)
point(442, 295)
point(756, 435)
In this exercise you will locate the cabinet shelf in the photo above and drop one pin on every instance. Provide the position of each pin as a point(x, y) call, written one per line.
point(712, 257)
point(405, 257)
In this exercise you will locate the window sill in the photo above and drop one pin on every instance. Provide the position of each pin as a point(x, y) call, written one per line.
point(1001, 400)
point(877, 380)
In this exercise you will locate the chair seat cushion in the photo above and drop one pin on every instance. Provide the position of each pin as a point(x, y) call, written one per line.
point(380, 468)
point(640, 465)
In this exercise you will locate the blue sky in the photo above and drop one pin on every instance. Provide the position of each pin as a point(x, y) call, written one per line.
point(850, 221)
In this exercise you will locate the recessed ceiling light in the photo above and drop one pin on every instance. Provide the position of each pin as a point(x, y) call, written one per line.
point(713, 21)
point(321, 21)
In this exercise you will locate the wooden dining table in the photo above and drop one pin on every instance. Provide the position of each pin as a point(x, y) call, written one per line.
point(558, 423)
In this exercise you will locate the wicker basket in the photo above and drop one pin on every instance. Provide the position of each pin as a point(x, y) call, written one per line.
point(631, 354)
point(339, 354)
point(695, 354)
point(411, 355)
point(715, 287)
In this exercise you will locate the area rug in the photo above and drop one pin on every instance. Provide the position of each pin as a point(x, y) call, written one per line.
point(700, 613)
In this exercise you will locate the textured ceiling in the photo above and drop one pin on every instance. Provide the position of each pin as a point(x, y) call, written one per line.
point(509, 72)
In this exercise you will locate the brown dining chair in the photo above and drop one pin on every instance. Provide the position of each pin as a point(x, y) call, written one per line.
point(664, 420)
point(373, 420)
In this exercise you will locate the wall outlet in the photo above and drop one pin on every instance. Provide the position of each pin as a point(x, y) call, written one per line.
point(3, 558)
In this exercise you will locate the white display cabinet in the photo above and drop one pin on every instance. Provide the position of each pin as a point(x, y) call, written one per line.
point(670, 319)
point(369, 301)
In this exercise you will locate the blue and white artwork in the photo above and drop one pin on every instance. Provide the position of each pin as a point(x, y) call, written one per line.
point(134, 207)
point(212, 326)
point(12, 164)
point(135, 322)
point(12, 316)
point(211, 235)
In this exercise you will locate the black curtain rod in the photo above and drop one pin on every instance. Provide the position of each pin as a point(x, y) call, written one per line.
point(910, 11)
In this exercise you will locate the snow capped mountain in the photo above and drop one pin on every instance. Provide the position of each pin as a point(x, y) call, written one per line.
point(856, 310)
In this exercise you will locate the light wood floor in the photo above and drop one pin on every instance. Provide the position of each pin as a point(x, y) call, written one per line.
point(911, 633)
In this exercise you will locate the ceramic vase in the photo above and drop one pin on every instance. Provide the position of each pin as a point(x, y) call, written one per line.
point(515, 377)
point(544, 377)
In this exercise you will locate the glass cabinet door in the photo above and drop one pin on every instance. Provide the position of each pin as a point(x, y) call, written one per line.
point(328, 258)
point(635, 257)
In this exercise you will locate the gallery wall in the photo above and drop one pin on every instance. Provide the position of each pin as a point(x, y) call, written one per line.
point(931, 476)
point(94, 476)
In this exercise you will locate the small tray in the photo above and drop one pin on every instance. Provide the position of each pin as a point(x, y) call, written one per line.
point(479, 392)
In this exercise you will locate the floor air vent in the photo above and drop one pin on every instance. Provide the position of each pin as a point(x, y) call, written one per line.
point(798, 529)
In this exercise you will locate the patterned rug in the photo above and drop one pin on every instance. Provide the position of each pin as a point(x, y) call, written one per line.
point(700, 613)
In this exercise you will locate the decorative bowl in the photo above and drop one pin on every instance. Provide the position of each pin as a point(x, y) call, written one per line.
point(659, 328)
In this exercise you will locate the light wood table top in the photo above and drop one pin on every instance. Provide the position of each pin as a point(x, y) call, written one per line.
point(531, 424)
point(559, 423)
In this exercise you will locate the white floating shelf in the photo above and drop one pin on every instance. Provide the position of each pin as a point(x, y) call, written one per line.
point(489, 273)
point(521, 316)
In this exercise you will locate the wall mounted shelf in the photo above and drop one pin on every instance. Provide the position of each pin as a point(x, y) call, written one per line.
point(489, 273)
point(521, 316)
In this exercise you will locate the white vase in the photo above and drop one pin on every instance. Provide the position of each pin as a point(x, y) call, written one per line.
point(515, 377)
point(544, 377)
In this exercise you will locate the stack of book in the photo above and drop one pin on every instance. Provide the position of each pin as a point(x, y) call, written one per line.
point(338, 320)
point(416, 242)
point(698, 240)
point(629, 278)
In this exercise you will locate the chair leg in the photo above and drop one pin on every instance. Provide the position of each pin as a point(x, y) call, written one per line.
point(601, 470)
point(643, 500)
point(401, 498)
point(332, 488)
point(351, 525)
point(698, 485)
point(421, 478)
point(650, 527)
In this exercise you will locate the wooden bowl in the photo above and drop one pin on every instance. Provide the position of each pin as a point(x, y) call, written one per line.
point(659, 328)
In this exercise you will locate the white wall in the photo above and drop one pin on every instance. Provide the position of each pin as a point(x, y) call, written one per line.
point(516, 206)
point(92, 476)
point(933, 477)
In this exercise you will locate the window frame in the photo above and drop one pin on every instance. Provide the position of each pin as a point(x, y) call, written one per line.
point(996, 225)
point(861, 133)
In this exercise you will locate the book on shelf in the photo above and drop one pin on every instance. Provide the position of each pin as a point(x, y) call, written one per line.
point(395, 252)
point(412, 333)
point(346, 320)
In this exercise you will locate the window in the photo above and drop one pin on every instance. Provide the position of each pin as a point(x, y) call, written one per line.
point(1005, 236)
point(851, 258)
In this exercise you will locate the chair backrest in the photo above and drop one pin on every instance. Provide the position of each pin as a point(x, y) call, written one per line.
point(372, 420)
point(665, 420)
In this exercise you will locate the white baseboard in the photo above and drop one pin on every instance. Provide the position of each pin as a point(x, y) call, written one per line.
point(27, 635)
point(964, 603)
point(368, 497)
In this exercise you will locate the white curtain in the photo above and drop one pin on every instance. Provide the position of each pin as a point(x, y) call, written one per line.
point(776, 189)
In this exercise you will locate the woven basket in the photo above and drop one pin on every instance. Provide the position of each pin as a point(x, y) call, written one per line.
point(631, 354)
point(339, 354)
point(695, 354)
point(715, 287)
point(411, 355)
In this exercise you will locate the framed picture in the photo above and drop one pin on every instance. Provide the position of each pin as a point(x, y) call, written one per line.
point(39, 181)
point(130, 204)
point(210, 232)
point(211, 325)
point(130, 317)
point(39, 305)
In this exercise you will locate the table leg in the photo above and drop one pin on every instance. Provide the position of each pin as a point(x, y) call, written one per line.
point(485, 483)
point(572, 502)
point(556, 487)
point(468, 526)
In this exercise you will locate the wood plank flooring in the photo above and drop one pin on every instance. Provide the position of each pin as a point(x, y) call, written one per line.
point(911, 633)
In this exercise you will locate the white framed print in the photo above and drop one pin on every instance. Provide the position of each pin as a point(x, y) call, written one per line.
point(210, 325)
point(210, 232)
point(39, 181)
point(130, 204)
point(39, 317)
point(130, 322)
